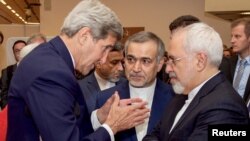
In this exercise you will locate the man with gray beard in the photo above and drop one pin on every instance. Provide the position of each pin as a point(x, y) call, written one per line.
point(194, 55)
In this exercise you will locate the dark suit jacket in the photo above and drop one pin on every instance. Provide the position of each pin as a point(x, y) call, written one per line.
point(162, 96)
point(90, 89)
point(6, 77)
point(215, 103)
point(45, 99)
point(233, 63)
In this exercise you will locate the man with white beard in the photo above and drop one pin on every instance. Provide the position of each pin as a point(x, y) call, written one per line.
point(194, 55)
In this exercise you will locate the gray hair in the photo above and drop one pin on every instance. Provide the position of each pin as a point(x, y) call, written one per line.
point(118, 47)
point(200, 37)
point(33, 37)
point(144, 36)
point(93, 14)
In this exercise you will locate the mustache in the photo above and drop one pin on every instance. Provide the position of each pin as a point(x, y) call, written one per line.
point(172, 74)
point(135, 75)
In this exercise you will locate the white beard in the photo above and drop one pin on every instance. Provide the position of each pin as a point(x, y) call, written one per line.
point(178, 88)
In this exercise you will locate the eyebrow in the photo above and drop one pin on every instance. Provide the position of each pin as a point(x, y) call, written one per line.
point(129, 55)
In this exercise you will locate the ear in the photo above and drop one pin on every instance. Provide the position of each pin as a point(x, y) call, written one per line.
point(201, 61)
point(160, 64)
point(98, 65)
point(83, 34)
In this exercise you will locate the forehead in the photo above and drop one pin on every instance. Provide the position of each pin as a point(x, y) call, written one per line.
point(19, 45)
point(175, 46)
point(115, 55)
point(238, 29)
point(145, 49)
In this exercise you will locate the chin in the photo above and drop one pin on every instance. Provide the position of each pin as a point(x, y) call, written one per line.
point(136, 84)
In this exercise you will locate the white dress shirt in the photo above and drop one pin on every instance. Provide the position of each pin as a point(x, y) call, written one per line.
point(191, 96)
point(145, 94)
point(103, 84)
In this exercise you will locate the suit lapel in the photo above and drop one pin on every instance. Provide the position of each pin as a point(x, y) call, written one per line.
point(156, 108)
point(124, 92)
point(233, 62)
point(247, 90)
point(205, 89)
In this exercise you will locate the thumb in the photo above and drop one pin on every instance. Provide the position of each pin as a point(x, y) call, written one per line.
point(116, 99)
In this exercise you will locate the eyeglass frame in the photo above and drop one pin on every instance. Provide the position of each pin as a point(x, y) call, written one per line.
point(169, 60)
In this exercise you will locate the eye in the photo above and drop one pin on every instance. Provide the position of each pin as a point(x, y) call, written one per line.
point(130, 59)
point(146, 61)
point(115, 62)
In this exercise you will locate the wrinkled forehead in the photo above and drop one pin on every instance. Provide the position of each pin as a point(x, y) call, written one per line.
point(145, 49)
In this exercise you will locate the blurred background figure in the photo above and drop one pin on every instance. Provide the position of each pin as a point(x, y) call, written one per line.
point(36, 38)
point(104, 76)
point(8, 72)
point(227, 51)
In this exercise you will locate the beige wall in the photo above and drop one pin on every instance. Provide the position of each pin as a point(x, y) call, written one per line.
point(227, 5)
point(154, 15)
point(13, 30)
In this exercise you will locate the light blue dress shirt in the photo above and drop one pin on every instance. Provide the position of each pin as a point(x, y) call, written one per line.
point(244, 78)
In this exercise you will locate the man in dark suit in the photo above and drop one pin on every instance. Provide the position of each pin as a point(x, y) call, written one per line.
point(144, 53)
point(105, 75)
point(194, 55)
point(45, 100)
point(8, 72)
point(240, 40)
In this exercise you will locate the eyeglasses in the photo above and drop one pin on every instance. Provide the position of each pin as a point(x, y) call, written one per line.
point(172, 61)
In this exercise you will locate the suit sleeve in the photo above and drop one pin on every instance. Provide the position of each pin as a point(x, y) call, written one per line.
point(51, 102)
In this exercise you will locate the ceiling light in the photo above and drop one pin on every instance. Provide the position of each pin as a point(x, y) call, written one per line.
point(3, 2)
point(8, 7)
point(13, 11)
point(245, 13)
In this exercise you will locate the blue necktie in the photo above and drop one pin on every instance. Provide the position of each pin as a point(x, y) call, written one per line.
point(239, 74)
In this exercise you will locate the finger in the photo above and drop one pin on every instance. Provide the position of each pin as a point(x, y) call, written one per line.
point(116, 99)
point(135, 100)
point(125, 102)
point(139, 105)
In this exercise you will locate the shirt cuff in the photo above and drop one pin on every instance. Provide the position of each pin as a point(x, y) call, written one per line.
point(111, 134)
point(96, 124)
point(94, 120)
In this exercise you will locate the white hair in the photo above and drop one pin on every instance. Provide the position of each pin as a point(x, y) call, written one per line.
point(95, 15)
point(27, 49)
point(200, 37)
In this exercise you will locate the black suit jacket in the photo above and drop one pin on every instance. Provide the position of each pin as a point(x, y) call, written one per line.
point(6, 77)
point(215, 103)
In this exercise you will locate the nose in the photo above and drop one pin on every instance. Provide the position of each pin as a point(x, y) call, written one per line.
point(168, 68)
point(104, 57)
point(137, 66)
point(232, 40)
point(120, 66)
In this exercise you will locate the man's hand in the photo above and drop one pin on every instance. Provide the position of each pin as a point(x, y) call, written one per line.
point(125, 114)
